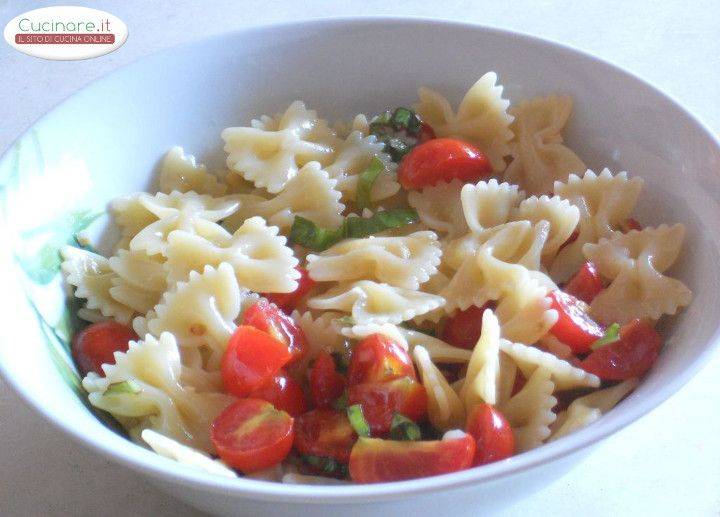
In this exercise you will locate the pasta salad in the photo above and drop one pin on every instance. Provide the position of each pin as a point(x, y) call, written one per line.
point(417, 293)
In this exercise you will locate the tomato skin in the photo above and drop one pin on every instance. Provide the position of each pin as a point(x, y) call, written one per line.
point(574, 326)
point(95, 345)
point(380, 401)
point(326, 384)
point(252, 359)
point(493, 436)
point(442, 159)
point(269, 318)
point(288, 301)
point(463, 328)
point(283, 392)
point(325, 432)
point(251, 435)
point(377, 358)
point(632, 356)
point(426, 133)
point(374, 460)
point(586, 284)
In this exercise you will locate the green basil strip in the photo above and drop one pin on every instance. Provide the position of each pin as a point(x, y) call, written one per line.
point(612, 334)
point(404, 118)
point(326, 465)
point(341, 404)
point(126, 387)
point(402, 428)
point(366, 181)
point(357, 420)
point(310, 235)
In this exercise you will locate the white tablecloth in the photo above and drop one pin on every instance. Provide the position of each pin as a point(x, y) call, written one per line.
point(666, 464)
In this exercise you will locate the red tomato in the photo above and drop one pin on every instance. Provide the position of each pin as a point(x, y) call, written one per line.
point(493, 435)
point(380, 401)
point(586, 283)
point(251, 435)
point(288, 301)
point(95, 345)
point(631, 224)
point(426, 133)
point(631, 356)
point(462, 329)
point(283, 392)
point(377, 358)
point(325, 432)
point(252, 359)
point(574, 326)
point(442, 159)
point(269, 318)
point(373, 460)
point(326, 384)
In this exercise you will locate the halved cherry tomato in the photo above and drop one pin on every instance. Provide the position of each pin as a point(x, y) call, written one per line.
point(442, 159)
point(252, 358)
point(462, 329)
point(426, 133)
point(269, 318)
point(326, 433)
point(326, 384)
point(95, 345)
point(377, 358)
point(288, 301)
point(574, 326)
point(493, 435)
point(586, 283)
point(631, 356)
point(381, 400)
point(251, 435)
point(283, 392)
point(373, 460)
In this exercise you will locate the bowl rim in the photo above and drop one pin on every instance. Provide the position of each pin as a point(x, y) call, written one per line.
point(150, 463)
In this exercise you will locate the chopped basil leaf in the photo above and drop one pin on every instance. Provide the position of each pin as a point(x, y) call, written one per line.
point(402, 428)
point(422, 330)
point(612, 334)
point(118, 388)
point(346, 321)
point(406, 119)
point(341, 404)
point(396, 147)
point(306, 233)
point(398, 131)
point(357, 420)
point(326, 465)
point(366, 181)
point(342, 361)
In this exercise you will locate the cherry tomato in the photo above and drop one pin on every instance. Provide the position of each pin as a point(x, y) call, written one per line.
point(426, 133)
point(378, 358)
point(95, 345)
point(252, 359)
point(380, 401)
point(442, 159)
point(574, 326)
point(586, 283)
point(325, 432)
point(326, 384)
point(462, 329)
point(251, 435)
point(283, 392)
point(373, 460)
point(493, 436)
point(288, 301)
point(631, 356)
point(269, 318)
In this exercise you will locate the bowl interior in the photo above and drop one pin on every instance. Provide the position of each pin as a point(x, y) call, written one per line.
point(107, 140)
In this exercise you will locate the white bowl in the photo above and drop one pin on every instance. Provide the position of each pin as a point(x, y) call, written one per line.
point(105, 140)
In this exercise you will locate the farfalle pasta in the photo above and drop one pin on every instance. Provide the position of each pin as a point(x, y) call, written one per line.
point(397, 283)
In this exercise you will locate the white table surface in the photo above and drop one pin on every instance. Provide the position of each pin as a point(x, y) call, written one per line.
point(668, 463)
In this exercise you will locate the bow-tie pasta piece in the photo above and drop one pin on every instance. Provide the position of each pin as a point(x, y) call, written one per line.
point(179, 172)
point(483, 369)
point(605, 202)
point(272, 150)
point(359, 123)
point(260, 257)
point(139, 279)
point(187, 211)
point(481, 119)
point(131, 216)
point(400, 261)
point(562, 216)
point(530, 411)
point(354, 155)
point(92, 277)
point(488, 203)
point(635, 262)
point(445, 409)
point(372, 302)
point(185, 455)
point(143, 390)
point(539, 156)
point(439, 208)
point(526, 312)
